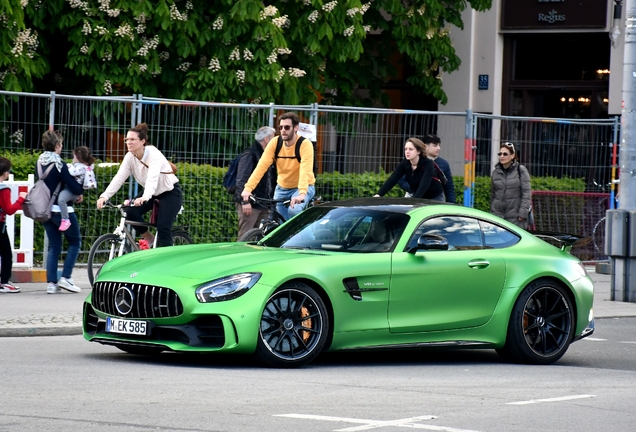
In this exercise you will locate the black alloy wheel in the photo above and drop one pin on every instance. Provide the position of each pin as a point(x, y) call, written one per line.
point(293, 328)
point(541, 326)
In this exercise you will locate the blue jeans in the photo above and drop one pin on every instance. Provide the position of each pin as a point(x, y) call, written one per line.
point(74, 240)
point(284, 193)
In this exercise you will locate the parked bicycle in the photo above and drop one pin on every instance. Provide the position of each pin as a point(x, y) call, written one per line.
point(273, 221)
point(598, 232)
point(122, 241)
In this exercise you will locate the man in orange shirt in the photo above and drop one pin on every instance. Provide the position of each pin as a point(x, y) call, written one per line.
point(296, 180)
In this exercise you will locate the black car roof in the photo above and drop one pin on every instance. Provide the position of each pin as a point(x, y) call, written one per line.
point(397, 205)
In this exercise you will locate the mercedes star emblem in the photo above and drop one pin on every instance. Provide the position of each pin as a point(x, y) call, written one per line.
point(124, 299)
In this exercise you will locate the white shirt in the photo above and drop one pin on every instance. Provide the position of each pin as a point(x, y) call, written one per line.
point(151, 175)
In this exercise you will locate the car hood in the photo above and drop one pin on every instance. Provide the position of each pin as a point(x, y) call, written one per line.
point(198, 263)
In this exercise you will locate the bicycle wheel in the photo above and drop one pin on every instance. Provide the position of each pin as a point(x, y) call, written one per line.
point(255, 234)
point(181, 238)
point(598, 236)
point(103, 250)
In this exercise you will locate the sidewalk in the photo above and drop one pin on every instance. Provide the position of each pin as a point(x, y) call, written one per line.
point(33, 312)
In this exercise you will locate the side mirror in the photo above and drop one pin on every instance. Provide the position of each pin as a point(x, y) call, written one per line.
point(430, 242)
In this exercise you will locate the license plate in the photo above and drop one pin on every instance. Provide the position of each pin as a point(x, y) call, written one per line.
point(116, 325)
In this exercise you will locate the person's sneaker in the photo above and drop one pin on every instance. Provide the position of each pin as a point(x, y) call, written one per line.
point(53, 289)
point(64, 224)
point(143, 244)
point(9, 288)
point(67, 284)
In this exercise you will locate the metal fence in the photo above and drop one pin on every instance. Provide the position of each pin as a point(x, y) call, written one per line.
point(349, 141)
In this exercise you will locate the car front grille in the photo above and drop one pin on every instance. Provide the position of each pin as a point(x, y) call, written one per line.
point(148, 301)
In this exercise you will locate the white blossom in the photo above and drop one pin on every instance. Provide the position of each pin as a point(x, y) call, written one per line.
point(313, 17)
point(78, 4)
point(273, 57)
point(422, 10)
point(247, 54)
point(149, 45)
point(104, 6)
point(348, 31)
point(297, 73)
point(17, 136)
point(24, 3)
point(164, 55)
point(328, 7)
point(125, 30)
point(4, 19)
point(215, 66)
point(351, 12)
point(28, 39)
point(143, 68)
point(281, 74)
point(240, 76)
point(108, 55)
point(86, 28)
point(235, 54)
point(307, 2)
point(281, 22)
point(309, 52)
point(284, 51)
point(365, 7)
point(101, 30)
point(108, 87)
point(183, 67)
point(189, 5)
point(218, 23)
point(268, 12)
point(430, 33)
point(367, 28)
point(410, 13)
point(84, 49)
point(175, 15)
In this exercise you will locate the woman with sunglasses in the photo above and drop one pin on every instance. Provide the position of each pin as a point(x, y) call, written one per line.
point(510, 191)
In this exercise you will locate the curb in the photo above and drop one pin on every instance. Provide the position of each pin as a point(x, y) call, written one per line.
point(28, 276)
point(71, 330)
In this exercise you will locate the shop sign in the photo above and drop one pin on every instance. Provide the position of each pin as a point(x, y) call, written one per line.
point(553, 14)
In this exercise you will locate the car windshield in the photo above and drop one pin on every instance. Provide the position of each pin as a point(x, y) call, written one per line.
point(345, 229)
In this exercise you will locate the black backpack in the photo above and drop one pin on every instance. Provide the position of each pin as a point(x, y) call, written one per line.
point(301, 139)
point(229, 179)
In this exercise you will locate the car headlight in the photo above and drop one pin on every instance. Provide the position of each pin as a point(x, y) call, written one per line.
point(227, 288)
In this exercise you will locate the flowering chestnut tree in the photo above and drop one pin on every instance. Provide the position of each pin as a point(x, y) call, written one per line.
point(285, 51)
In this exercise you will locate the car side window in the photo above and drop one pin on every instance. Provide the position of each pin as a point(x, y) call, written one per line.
point(461, 233)
point(496, 237)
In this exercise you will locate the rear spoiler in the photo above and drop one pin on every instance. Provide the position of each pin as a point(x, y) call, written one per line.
point(563, 241)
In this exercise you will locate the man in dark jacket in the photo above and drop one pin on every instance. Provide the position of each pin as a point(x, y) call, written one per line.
point(433, 144)
point(250, 215)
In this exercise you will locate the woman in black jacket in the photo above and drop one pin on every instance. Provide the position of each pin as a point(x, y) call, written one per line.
point(419, 171)
point(59, 176)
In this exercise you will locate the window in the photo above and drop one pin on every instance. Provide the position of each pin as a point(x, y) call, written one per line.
point(496, 237)
point(461, 233)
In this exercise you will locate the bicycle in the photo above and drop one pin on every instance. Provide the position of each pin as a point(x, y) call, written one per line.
point(273, 221)
point(122, 241)
point(598, 232)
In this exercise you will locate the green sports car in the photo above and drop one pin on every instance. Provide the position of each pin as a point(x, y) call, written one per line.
point(370, 273)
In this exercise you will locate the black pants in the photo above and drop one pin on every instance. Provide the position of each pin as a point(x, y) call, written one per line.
point(6, 254)
point(169, 205)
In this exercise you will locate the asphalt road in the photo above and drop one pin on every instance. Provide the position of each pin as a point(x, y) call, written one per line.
point(65, 383)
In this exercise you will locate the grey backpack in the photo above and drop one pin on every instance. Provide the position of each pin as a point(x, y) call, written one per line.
point(38, 202)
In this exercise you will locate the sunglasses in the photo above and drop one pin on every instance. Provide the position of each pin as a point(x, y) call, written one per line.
point(286, 127)
point(503, 154)
point(510, 145)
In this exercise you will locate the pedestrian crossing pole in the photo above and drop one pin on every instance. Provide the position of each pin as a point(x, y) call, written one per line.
point(621, 223)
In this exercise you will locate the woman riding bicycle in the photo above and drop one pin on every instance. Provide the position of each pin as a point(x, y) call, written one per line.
point(152, 170)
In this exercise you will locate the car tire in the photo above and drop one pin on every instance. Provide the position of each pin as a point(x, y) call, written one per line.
point(254, 234)
point(541, 325)
point(294, 327)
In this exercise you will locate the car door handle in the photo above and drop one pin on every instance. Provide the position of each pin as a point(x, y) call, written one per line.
point(479, 264)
